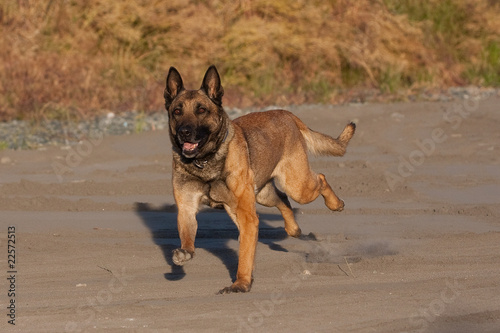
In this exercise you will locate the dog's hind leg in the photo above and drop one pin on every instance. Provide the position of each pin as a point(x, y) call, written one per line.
point(270, 196)
point(332, 201)
point(309, 188)
point(303, 185)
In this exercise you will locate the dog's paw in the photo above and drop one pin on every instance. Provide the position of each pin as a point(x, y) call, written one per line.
point(340, 206)
point(294, 232)
point(180, 256)
point(336, 206)
point(236, 287)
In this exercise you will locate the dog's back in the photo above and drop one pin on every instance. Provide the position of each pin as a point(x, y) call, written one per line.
point(271, 135)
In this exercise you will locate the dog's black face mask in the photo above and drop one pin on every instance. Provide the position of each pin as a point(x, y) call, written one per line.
point(191, 139)
point(195, 116)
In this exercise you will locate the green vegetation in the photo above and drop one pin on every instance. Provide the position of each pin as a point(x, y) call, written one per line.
point(488, 68)
point(139, 122)
point(464, 34)
point(4, 145)
point(73, 59)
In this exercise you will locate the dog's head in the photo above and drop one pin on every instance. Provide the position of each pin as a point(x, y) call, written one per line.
point(196, 118)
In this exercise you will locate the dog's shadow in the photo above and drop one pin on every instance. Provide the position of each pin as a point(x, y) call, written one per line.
point(215, 229)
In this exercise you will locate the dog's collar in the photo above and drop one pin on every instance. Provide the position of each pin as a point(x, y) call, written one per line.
point(200, 164)
point(225, 136)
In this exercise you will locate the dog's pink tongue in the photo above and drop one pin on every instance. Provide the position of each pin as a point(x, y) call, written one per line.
point(189, 146)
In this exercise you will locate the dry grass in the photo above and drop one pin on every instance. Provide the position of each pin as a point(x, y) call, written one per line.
point(67, 59)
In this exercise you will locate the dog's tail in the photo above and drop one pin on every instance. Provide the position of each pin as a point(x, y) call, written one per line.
point(322, 144)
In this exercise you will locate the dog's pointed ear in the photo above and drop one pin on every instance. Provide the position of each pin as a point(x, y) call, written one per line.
point(173, 87)
point(212, 85)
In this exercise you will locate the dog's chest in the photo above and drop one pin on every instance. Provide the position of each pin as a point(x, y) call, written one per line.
point(206, 171)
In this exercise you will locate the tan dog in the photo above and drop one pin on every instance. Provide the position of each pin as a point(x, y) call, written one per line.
point(234, 164)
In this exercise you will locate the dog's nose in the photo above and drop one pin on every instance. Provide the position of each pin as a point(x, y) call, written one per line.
point(185, 132)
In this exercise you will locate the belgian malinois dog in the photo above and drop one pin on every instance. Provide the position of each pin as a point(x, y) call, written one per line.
point(236, 164)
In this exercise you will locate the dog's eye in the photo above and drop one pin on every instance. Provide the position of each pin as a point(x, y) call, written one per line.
point(177, 112)
point(202, 110)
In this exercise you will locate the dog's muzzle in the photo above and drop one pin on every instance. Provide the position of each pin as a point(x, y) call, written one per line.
point(186, 136)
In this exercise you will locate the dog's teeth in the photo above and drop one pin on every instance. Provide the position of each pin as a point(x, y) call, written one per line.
point(189, 146)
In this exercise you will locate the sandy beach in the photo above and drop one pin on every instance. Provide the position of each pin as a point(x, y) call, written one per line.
point(417, 248)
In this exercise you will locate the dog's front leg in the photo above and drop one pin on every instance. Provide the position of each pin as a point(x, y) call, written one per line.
point(242, 210)
point(187, 199)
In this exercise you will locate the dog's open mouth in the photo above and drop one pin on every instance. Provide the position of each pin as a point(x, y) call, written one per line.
point(190, 149)
point(192, 144)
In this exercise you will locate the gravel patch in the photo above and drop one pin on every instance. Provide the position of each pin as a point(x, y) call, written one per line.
point(28, 135)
